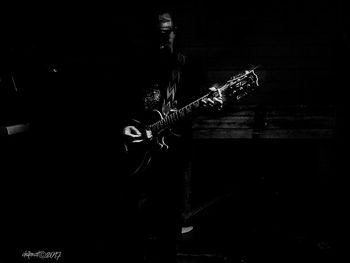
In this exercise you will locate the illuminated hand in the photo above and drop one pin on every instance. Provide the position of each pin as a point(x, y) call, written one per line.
point(215, 101)
point(134, 134)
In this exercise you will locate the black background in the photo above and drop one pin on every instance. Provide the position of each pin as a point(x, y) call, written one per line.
point(289, 191)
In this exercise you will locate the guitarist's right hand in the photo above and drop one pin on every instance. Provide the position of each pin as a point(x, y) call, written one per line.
point(132, 133)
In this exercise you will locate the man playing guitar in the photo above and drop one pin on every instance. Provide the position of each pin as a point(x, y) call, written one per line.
point(162, 181)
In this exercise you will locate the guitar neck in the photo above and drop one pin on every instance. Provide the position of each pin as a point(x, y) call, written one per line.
point(175, 117)
point(238, 85)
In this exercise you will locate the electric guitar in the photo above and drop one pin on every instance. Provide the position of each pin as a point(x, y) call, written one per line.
point(139, 153)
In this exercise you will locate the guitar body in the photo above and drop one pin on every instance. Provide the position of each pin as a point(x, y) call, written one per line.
point(139, 153)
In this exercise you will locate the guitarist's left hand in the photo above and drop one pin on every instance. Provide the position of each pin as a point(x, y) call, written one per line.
point(214, 102)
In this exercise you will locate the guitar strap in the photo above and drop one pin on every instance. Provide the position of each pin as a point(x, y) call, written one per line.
point(162, 96)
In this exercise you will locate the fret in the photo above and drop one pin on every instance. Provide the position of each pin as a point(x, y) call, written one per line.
point(187, 110)
point(170, 119)
point(162, 123)
point(182, 113)
point(177, 116)
point(196, 104)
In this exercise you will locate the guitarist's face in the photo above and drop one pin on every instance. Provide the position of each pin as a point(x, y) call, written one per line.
point(166, 33)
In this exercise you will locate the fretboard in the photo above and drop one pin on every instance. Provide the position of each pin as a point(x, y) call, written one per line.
point(239, 83)
point(175, 117)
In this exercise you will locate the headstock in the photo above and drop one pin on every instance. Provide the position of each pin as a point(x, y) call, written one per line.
point(241, 85)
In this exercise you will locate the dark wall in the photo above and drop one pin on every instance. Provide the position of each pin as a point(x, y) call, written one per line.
point(70, 64)
point(299, 45)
